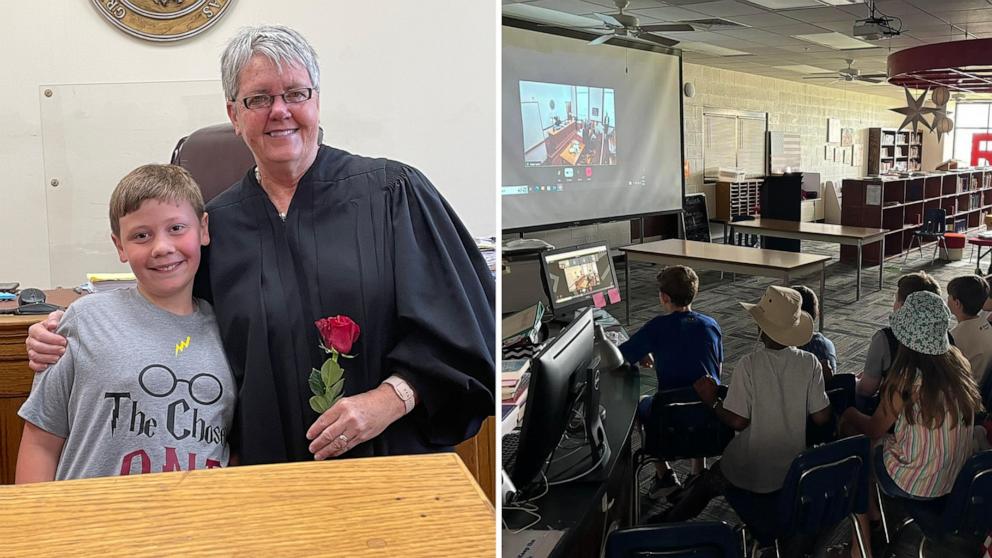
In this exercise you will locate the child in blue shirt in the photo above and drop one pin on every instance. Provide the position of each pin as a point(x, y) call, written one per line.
point(685, 346)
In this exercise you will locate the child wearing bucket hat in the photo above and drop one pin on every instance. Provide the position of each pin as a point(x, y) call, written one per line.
point(772, 391)
point(932, 426)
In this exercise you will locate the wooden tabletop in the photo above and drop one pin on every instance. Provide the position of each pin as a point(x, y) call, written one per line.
point(823, 229)
point(705, 251)
point(387, 506)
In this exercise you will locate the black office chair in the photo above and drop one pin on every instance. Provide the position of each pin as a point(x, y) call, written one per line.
point(681, 427)
point(824, 486)
point(697, 539)
point(934, 227)
point(966, 512)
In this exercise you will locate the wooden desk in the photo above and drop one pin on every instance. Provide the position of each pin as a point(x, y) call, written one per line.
point(722, 257)
point(478, 453)
point(387, 506)
point(823, 232)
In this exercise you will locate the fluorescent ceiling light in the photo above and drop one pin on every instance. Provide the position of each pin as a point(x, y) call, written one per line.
point(803, 69)
point(842, 2)
point(550, 17)
point(786, 4)
point(834, 40)
point(706, 48)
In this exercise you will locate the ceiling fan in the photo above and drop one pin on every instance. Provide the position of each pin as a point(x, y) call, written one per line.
point(850, 73)
point(626, 26)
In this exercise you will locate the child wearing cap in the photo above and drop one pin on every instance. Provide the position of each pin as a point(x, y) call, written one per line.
point(932, 434)
point(773, 390)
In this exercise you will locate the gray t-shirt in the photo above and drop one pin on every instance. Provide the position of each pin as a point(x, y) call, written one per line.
point(138, 390)
point(776, 390)
point(879, 357)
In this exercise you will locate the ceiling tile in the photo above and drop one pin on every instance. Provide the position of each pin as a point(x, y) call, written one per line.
point(933, 7)
point(966, 16)
point(567, 6)
point(726, 8)
point(815, 15)
point(795, 28)
point(762, 20)
point(668, 13)
point(632, 5)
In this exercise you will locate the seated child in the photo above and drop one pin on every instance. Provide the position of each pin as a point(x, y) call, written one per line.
point(972, 335)
point(931, 399)
point(144, 385)
point(884, 344)
point(821, 347)
point(773, 390)
point(685, 346)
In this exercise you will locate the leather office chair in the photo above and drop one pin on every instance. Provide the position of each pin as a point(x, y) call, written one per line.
point(697, 539)
point(824, 486)
point(216, 157)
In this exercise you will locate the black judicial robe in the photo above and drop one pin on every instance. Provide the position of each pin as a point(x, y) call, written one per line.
point(371, 239)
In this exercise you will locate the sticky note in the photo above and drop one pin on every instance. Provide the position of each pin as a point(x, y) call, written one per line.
point(599, 300)
point(614, 295)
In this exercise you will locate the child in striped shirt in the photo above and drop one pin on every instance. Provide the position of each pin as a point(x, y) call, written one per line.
point(930, 398)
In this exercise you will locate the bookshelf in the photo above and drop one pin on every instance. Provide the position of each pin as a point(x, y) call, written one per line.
point(891, 150)
point(897, 204)
point(738, 198)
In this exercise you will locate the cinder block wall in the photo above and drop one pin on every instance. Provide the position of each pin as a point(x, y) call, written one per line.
point(791, 107)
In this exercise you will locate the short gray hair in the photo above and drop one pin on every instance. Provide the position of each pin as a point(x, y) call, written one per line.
point(278, 43)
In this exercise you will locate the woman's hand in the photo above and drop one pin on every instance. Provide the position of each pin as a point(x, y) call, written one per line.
point(45, 347)
point(353, 420)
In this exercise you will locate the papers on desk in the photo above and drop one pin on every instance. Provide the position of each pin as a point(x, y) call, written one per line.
point(102, 282)
point(530, 543)
point(514, 379)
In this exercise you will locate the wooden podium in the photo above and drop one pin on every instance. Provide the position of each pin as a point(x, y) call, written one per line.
point(383, 506)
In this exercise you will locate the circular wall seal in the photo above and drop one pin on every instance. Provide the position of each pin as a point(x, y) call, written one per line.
point(163, 20)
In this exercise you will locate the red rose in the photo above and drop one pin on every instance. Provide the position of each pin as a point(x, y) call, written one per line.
point(338, 332)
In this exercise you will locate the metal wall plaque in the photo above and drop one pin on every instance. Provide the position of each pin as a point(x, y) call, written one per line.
point(163, 20)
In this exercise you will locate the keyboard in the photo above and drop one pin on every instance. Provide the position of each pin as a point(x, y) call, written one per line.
point(510, 443)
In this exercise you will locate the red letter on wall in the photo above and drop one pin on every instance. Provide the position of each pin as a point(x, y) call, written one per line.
point(981, 148)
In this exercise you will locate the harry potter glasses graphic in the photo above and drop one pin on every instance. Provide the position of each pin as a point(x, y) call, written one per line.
point(160, 381)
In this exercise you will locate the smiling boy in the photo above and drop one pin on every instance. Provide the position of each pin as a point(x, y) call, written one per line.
point(144, 385)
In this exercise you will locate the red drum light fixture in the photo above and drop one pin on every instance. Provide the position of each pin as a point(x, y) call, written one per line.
point(957, 65)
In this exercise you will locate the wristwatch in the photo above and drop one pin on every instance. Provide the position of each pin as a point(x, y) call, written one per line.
point(403, 391)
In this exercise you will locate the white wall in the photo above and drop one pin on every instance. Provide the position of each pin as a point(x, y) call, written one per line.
point(792, 107)
point(414, 81)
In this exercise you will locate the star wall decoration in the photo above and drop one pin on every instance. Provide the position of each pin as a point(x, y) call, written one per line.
point(914, 110)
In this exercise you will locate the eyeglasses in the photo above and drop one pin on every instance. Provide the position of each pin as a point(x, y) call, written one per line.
point(158, 380)
point(290, 97)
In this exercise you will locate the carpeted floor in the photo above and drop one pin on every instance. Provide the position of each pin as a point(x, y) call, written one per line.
point(848, 323)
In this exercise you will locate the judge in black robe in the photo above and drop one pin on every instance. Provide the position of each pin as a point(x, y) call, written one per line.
point(371, 239)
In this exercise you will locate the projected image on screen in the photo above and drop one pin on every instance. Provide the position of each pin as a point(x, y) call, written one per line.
point(577, 273)
point(567, 125)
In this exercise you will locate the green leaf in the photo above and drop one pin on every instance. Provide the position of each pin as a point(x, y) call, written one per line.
point(333, 393)
point(331, 372)
point(319, 403)
point(317, 386)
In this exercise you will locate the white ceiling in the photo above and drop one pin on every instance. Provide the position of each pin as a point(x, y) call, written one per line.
point(769, 37)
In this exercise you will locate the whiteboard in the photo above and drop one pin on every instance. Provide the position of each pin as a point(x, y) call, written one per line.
point(94, 134)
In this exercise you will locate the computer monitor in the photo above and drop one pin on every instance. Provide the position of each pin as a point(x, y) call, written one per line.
point(576, 276)
point(550, 398)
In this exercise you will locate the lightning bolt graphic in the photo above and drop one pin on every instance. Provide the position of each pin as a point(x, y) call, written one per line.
point(181, 346)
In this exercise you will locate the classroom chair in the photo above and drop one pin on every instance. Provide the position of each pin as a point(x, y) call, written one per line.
point(681, 427)
point(824, 485)
point(966, 512)
point(840, 392)
point(934, 227)
point(697, 539)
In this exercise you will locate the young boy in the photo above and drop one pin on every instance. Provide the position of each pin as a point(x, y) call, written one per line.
point(685, 346)
point(884, 345)
point(972, 335)
point(773, 390)
point(821, 347)
point(144, 385)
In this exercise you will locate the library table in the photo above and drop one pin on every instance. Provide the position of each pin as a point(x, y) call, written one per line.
point(727, 258)
point(823, 232)
point(425, 505)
